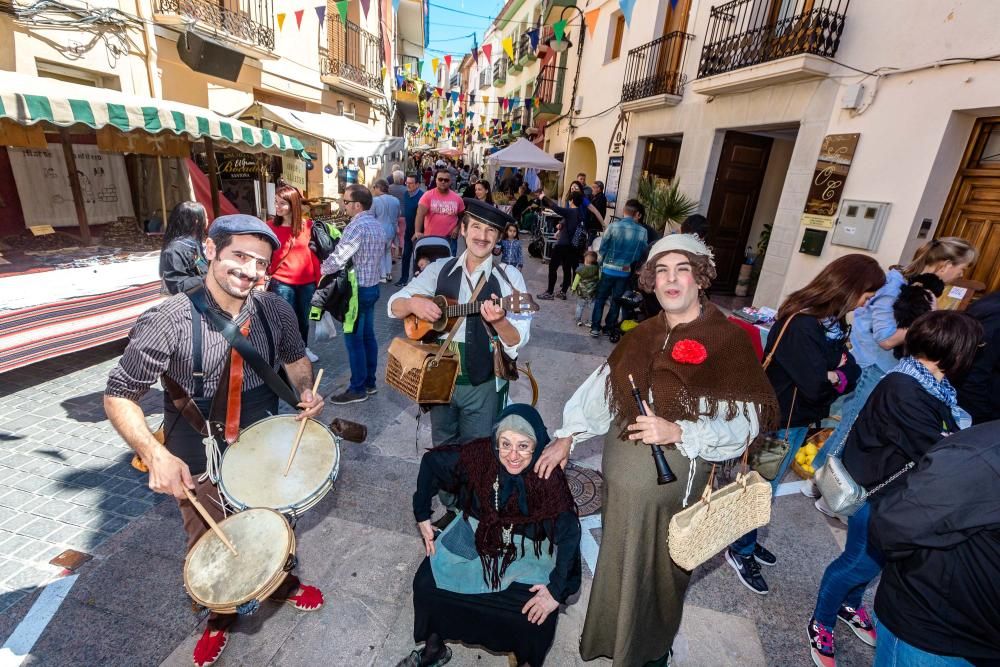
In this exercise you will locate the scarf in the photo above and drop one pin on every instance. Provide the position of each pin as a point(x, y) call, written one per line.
point(707, 359)
point(940, 389)
point(530, 500)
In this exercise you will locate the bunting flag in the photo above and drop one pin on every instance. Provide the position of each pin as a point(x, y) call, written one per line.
point(420, 67)
point(321, 13)
point(384, 70)
point(395, 6)
point(529, 102)
point(486, 99)
point(472, 98)
point(399, 80)
point(627, 6)
point(533, 37)
point(454, 95)
point(342, 10)
point(434, 66)
point(487, 50)
point(447, 63)
point(475, 53)
point(590, 18)
point(559, 28)
point(438, 91)
point(461, 98)
point(408, 67)
point(503, 103)
point(508, 47)
point(281, 20)
point(365, 6)
point(298, 18)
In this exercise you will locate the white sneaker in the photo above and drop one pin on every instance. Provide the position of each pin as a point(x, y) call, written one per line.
point(821, 505)
point(311, 356)
point(809, 489)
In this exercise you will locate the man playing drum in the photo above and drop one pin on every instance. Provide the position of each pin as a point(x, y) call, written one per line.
point(476, 401)
point(175, 341)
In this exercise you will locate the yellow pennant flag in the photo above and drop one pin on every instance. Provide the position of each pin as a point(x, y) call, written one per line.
point(508, 47)
point(407, 67)
point(434, 64)
point(281, 20)
point(590, 18)
point(486, 99)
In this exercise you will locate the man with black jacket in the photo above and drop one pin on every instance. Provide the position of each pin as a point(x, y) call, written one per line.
point(939, 599)
point(979, 392)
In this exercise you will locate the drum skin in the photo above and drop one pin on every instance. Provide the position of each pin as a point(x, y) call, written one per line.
point(218, 580)
point(252, 468)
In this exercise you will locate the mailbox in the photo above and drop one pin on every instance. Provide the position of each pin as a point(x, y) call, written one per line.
point(860, 223)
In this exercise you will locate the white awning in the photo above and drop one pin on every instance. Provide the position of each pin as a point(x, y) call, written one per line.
point(524, 154)
point(350, 138)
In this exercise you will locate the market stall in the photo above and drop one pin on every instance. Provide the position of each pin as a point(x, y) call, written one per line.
point(87, 177)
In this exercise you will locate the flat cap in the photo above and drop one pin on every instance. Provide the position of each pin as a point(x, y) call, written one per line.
point(487, 213)
point(241, 223)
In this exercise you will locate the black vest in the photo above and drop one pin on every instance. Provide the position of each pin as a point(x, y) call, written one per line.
point(478, 356)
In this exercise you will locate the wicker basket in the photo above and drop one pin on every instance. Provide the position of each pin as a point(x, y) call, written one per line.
point(817, 438)
point(411, 371)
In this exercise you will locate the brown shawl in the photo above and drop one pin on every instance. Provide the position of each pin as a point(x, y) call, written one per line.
point(729, 374)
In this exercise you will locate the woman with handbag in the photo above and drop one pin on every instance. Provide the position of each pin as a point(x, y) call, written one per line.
point(497, 574)
point(294, 269)
point(910, 410)
point(704, 399)
point(809, 366)
point(876, 333)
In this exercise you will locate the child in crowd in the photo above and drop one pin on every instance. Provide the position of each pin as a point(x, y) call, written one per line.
point(585, 285)
point(510, 247)
point(421, 265)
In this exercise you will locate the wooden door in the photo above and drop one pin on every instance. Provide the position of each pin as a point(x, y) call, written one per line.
point(972, 210)
point(672, 50)
point(734, 201)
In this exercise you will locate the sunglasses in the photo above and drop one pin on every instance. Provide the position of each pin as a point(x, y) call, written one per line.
point(444, 180)
point(351, 201)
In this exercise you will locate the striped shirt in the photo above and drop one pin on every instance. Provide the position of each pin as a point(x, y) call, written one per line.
point(160, 342)
point(364, 242)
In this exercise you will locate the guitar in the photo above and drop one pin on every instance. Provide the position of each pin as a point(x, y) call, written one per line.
point(451, 310)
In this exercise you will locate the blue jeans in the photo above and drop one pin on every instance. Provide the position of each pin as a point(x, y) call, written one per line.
point(796, 436)
point(891, 651)
point(298, 297)
point(362, 349)
point(834, 446)
point(613, 287)
point(404, 276)
point(846, 578)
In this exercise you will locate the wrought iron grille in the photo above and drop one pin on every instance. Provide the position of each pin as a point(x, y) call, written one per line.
point(656, 68)
point(523, 47)
point(248, 20)
point(484, 78)
point(549, 84)
point(352, 53)
point(500, 68)
point(742, 33)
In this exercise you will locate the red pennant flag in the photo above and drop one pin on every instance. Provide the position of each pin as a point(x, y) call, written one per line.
point(447, 62)
point(365, 6)
point(487, 49)
point(298, 18)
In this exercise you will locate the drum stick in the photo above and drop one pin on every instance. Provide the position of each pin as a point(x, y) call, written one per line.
point(302, 427)
point(209, 520)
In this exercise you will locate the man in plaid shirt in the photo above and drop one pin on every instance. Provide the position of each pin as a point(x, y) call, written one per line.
point(621, 246)
point(363, 242)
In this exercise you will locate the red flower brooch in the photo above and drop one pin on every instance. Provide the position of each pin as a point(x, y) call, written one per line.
point(689, 351)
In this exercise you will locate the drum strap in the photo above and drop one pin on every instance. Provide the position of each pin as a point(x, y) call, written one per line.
point(198, 370)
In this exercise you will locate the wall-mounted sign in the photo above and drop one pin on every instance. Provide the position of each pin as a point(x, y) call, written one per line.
point(237, 166)
point(613, 179)
point(827, 187)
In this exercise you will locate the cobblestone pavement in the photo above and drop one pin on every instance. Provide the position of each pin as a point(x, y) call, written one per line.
point(65, 481)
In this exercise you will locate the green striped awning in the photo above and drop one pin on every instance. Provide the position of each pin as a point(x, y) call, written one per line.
point(28, 100)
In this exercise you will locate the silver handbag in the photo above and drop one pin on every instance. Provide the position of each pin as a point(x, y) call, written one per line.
point(842, 494)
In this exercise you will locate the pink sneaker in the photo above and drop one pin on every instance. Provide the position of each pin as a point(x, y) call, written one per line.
point(821, 646)
point(859, 622)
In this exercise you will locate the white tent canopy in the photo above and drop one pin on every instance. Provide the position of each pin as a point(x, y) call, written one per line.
point(350, 138)
point(525, 155)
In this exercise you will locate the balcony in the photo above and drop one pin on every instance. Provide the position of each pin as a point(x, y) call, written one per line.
point(500, 68)
point(250, 22)
point(654, 72)
point(485, 81)
point(353, 58)
point(751, 43)
point(523, 50)
point(549, 91)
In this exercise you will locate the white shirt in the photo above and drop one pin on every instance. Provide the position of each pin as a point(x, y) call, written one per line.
point(587, 415)
point(426, 284)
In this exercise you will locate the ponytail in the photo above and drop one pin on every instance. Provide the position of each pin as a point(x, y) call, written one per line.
point(947, 249)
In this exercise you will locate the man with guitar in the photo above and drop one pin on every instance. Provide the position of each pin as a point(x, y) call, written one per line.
point(476, 401)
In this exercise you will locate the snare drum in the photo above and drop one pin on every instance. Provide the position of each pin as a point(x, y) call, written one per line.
point(252, 468)
point(228, 584)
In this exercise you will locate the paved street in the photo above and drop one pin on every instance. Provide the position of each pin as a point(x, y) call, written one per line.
point(65, 482)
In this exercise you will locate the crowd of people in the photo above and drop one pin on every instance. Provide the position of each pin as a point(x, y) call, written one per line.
point(916, 389)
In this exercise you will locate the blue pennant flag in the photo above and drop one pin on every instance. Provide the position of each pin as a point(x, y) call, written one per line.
point(533, 36)
point(627, 6)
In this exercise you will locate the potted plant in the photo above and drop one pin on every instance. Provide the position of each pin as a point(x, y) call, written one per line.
point(666, 206)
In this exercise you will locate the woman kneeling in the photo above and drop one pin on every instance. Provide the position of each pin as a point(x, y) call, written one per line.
point(495, 577)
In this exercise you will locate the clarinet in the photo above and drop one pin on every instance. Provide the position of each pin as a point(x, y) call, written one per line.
point(664, 475)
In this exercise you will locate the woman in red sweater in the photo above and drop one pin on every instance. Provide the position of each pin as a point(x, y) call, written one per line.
point(294, 267)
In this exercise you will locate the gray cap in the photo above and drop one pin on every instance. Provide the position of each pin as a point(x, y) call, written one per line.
point(241, 223)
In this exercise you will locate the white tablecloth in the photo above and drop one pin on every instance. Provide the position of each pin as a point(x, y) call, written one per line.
point(35, 289)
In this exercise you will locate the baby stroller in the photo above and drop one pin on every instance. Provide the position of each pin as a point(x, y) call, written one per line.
point(429, 249)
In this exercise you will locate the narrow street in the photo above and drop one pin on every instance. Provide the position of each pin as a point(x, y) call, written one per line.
point(66, 482)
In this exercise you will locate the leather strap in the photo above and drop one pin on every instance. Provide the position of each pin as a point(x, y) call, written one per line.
point(197, 367)
point(235, 390)
point(458, 324)
point(767, 362)
point(184, 404)
point(231, 333)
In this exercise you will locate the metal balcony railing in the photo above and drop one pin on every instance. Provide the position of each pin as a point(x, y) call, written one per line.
point(742, 33)
point(484, 78)
point(523, 47)
point(524, 117)
point(352, 53)
point(500, 68)
point(656, 68)
point(248, 20)
point(549, 85)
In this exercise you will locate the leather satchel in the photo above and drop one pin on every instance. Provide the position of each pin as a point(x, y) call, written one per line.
point(504, 366)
